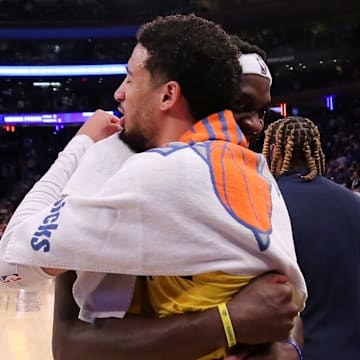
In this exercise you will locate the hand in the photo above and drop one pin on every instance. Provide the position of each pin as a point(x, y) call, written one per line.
point(100, 125)
point(263, 312)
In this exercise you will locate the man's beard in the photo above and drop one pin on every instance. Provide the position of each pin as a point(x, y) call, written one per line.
point(135, 140)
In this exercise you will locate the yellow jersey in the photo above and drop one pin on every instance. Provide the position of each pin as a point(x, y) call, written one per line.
point(176, 295)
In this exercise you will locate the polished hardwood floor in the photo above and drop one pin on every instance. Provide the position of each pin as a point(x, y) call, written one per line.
point(26, 323)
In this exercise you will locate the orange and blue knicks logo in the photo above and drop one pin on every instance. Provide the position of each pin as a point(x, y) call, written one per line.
point(242, 190)
point(236, 173)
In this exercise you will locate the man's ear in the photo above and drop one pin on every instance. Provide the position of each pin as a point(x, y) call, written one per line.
point(171, 94)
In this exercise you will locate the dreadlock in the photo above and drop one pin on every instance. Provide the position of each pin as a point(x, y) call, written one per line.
point(297, 140)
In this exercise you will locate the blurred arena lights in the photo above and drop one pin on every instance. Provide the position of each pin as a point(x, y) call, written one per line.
point(330, 102)
point(283, 107)
point(46, 119)
point(63, 70)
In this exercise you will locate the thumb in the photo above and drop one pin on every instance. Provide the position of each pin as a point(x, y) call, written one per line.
point(116, 127)
point(114, 120)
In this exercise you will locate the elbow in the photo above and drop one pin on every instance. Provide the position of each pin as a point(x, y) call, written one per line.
point(53, 272)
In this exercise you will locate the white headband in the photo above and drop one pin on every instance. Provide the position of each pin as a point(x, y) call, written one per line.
point(254, 64)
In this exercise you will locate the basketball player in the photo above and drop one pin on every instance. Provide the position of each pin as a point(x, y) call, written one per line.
point(324, 217)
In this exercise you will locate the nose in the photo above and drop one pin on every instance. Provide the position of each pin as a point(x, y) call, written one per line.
point(250, 122)
point(119, 94)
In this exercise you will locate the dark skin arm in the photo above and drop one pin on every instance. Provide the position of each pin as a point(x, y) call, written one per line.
point(261, 312)
point(274, 351)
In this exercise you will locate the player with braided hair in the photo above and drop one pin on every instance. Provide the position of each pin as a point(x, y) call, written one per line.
point(324, 217)
point(295, 139)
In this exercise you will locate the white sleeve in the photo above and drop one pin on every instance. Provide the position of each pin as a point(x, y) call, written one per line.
point(45, 191)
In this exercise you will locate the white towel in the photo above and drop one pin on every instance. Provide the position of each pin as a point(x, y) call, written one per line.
point(165, 204)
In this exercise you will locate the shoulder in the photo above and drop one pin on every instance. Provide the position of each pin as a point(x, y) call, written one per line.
point(169, 149)
point(320, 188)
point(174, 154)
point(171, 165)
point(110, 151)
point(340, 189)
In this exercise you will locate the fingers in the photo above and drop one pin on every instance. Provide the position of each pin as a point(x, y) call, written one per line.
point(279, 279)
point(100, 125)
point(273, 277)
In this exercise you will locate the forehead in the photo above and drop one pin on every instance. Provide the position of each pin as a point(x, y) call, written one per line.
point(137, 60)
point(257, 88)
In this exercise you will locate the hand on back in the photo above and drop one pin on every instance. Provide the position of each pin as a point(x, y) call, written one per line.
point(263, 312)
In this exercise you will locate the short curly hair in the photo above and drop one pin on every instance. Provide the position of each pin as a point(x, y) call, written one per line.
point(247, 48)
point(199, 55)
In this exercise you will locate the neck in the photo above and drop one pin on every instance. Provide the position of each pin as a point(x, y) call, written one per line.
point(294, 164)
point(174, 125)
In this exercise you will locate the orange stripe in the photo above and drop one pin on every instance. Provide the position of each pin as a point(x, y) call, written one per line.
point(230, 123)
point(244, 142)
point(241, 189)
point(200, 132)
point(215, 122)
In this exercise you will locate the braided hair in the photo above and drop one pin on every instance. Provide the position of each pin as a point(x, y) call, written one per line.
point(297, 142)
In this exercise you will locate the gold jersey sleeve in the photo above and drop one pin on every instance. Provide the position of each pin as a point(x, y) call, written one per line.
point(176, 295)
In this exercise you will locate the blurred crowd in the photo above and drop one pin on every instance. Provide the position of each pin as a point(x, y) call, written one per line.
point(25, 155)
point(76, 94)
point(70, 51)
point(77, 10)
point(341, 143)
point(302, 60)
point(310, 57)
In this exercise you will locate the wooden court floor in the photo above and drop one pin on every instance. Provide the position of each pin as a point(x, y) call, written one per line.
point(26, 323)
